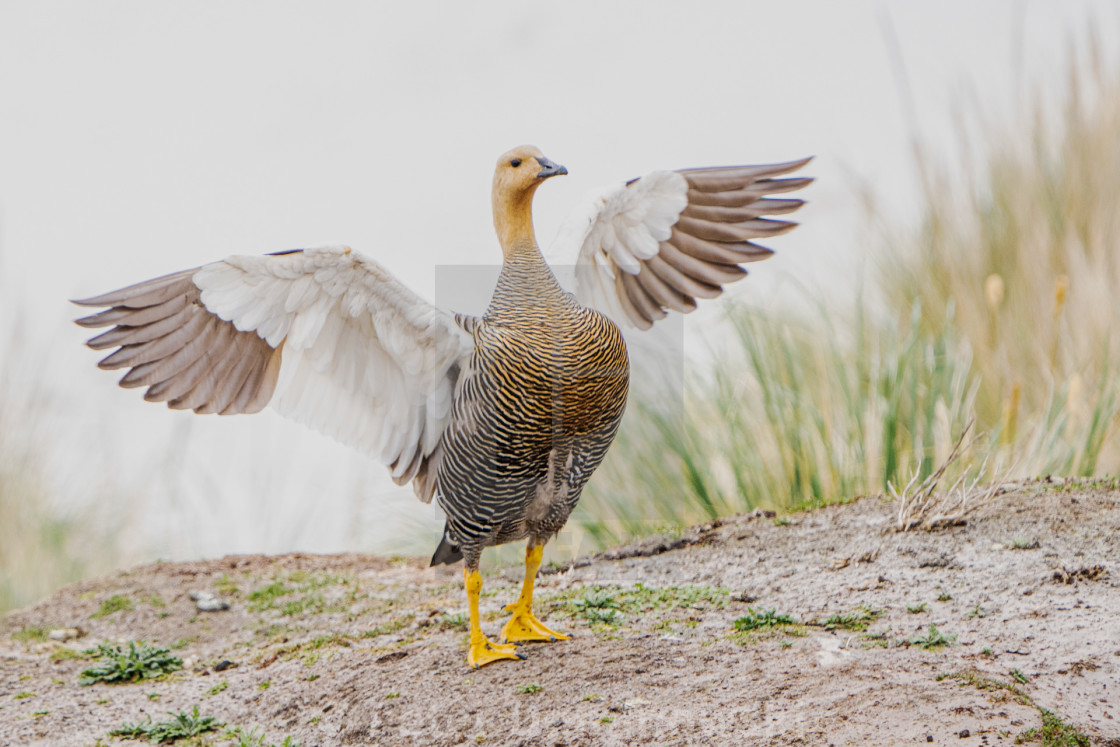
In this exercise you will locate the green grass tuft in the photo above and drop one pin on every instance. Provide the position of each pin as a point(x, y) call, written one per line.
point(30, 635)
point(933, 638)
point(612, 606)
point(762, 619)
point(179, 726)
point(253, 738)
point(856, 621)
point(115, 603)
point(1054, 732)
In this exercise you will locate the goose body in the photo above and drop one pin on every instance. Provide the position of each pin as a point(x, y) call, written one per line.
point(533, 417)
point(502, 418)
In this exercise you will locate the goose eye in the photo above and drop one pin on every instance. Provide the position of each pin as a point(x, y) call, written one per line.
point(515, 162)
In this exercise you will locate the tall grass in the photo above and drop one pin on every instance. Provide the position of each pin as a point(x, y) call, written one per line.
point(1001, 306)
point(44, 543)
point(1030, 258)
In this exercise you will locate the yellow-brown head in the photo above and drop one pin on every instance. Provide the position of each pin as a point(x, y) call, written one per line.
point(517, 175)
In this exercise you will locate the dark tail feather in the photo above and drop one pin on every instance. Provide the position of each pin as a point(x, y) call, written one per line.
point(446, 552)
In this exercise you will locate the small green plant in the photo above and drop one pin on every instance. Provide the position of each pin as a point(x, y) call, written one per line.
point(1018, 676)
point(781, 521)
point(933, 638)
point(30, 635)
point(264, 685)
point(980, 682)
point(916, 609)
point(139, 662)
point(254, 738)
point(226, 586)
point(599, 605)
point(977, 611)
point(592, 698)
point(986, 651)
point(944, 597)
point(115, 603)
point(606, 719)
point(856, 621)
point(326, 641)
point(1021, 544)
point(760, 619)
point(179, 726)
point(23, 695)
point(1054, 733)
point(154, 696)
point(876, 640)
point(392, 626)
point(454, 622)
point(65, 654)
point(392, 696)
point(220, 687)
point(264, 597)
point(530, 688)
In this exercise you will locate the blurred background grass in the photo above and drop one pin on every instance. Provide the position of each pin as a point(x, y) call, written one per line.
point(46, 542)
point(1000, 305)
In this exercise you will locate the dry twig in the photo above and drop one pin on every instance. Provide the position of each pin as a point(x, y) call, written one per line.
point(919, 506)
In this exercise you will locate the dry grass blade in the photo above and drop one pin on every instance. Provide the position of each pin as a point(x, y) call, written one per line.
point(920, 506)
point(916, 500)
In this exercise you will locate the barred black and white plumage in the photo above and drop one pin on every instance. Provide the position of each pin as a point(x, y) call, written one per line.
point(540, 403)
point(503, 418)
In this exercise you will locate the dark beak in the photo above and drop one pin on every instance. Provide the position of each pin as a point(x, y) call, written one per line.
point(548, 168)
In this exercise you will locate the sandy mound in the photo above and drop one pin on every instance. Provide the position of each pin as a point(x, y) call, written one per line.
point(973, 635)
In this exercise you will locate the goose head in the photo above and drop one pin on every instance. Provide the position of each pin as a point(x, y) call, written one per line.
point(517, 175)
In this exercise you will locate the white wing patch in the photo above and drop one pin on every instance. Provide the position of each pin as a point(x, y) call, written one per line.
point(615, 228)
point(364, 360)
point(658, 243)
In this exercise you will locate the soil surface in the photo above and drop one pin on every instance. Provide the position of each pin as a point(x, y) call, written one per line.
point(978, 634)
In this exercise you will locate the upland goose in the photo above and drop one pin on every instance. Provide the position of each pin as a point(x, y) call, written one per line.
point(502, 418)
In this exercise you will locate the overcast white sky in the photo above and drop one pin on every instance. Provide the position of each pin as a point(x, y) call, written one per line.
point(138, 138)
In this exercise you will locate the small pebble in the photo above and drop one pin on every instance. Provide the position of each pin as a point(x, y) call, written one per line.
point(964, 734)
point(929, 737)
point(207, 602)
point(223, 665)
point(64, 634)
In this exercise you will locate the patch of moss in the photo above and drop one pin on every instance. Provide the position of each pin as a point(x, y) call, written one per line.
point(30, 635)
point(115, 603)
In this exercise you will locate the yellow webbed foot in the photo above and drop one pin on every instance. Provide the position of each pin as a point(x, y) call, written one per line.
point(483, 651)
point(524, 626)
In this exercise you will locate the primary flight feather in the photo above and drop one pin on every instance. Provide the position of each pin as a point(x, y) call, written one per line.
point(502, 418)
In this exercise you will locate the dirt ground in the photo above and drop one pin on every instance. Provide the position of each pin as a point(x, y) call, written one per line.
point(364, 650)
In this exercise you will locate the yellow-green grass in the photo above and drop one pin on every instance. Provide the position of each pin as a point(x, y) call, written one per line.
point(42, 544)
point(1001, 306)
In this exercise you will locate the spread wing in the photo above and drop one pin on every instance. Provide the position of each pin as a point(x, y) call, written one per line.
point(329, 338)
point(658, 243)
